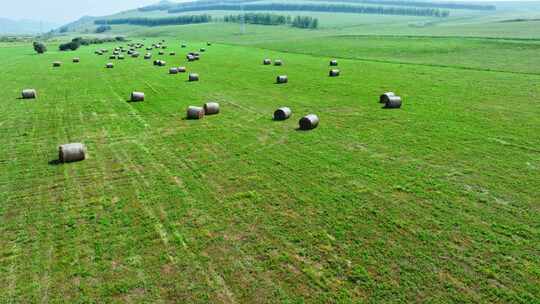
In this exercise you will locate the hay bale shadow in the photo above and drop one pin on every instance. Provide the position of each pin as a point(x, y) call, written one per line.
point(55, 162)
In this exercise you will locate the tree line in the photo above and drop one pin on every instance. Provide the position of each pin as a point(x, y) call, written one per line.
point(333, 8)
point(273, 19)
point(447, 5)
point(75, 43)
point(179, 20)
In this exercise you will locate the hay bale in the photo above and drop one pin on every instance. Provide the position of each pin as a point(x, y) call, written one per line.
point(190, 58)
point(172, 54)
point(148, 56)
point(149, 48)
point(29, 94)
point(112, 57)
point(57, 64)
point(333, 62)
point(211, 108)
point(278, 62)
point(71, 152)
point(182, 69)
point(76, 60)
point(109, 65)
point(334, 73)
point(393, 102)
point(384, 97)
point(116, 53)
point(267, 61)
point(135, 55)
point(202, 50)
point(282, 113)
point(121, 57)
point(282, 79)
point(195, 112)
point(208, 44)
point(309, 122)
point(161, 53)
point(173, 71)
point(193, 77)
point(162, 63)
point(164, 47)
point(184, 46)
point(137, 96)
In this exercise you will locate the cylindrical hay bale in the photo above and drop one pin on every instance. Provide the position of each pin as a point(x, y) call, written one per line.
point(184, 46)
point(267, 62)
point(172, 54)
point(309, 122)
point(162, 63)
point(148, 56)
point(76, 60)
point(161, 53)
point(116, 53)
point(282, 113)
point(182, 69)
point(121, 57)
point(164, 47)
point(393, 102)
point(282, 79)
point(135, 55)
point(195, 112)
point(384, 97)
point(137, 96)
point(149, 48)
point(130, 52)
point(190, 58)
point(173, 71)
point(208, 44)
point(278, 62)
point(156, 62)
point(333, 62)
point(202, 50)
point(211, 108)
point(29, 94)
point(112, 57)
point(109, 65)
point(71, 152)
point(57, 64)
point(334, 73)
point(193, 77)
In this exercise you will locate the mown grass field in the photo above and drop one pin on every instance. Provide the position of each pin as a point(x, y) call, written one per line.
point(436, 202)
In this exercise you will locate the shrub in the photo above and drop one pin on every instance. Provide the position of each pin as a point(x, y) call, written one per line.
point(103, 28)
point(40, 47)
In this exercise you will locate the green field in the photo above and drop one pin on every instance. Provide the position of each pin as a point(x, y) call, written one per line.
point(436, 202)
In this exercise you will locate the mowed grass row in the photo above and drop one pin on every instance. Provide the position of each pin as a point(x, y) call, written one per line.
point(436, 201)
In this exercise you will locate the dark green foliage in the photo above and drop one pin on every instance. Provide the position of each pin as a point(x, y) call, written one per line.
point(447, 5)
point(334, 8)
point(40, 47)
point(305, 22)
point(70, 46)
point(273, 19)
point(103, 28)
point(158, 21)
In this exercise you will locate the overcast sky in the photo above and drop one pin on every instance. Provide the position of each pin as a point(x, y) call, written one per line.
point(63, 11)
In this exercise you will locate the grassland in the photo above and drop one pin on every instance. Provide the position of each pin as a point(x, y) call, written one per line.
point(436, 202)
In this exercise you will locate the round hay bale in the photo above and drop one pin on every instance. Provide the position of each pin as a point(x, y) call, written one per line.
point(393, 102)
point(172, 54)
point(161, 53)
point(109, 65)
point(162, 63)
point(76, 60)
point(149, 48)
point(193, 77)
point(282, 113)
point(71, 152)
point(130, 52)
point(156, 62)
point(182, 69)
point(104, 50)
point(148, 56)
point(202, 50)
point(384, 97)
point(173, 71)
point(190, 58)
point(135, 55)
point(29, 94)
point(164, 47)
point(137, 96)
point(121, 57)
point(195, 112)
point(267, 61)
point(309, 122)
point(184, 46)
point(57, 64)
point(211, 108)
point(112, 57)
point(116, 53)
point(208, 44)
point(278, 62)
point(333, 62)
point(282, 79)
point(334, 73)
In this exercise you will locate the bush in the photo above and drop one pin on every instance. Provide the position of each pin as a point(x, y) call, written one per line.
point(73, 45)
point(39, 47)
point(103, 28)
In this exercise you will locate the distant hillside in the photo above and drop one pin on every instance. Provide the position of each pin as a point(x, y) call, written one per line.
point(8, 26)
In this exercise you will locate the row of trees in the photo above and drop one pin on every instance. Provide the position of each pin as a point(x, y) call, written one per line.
point(447, 5)
point(179, 20)
point(75, 43)
point(273, 19)
point(333, 8)
point(103, 28)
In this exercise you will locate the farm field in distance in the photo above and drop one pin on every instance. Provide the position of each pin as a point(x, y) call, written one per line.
point(435, 202)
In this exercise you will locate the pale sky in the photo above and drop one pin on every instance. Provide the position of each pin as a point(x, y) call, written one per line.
point(63, 11)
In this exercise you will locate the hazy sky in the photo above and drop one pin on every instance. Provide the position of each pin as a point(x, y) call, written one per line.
point(63, 11)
